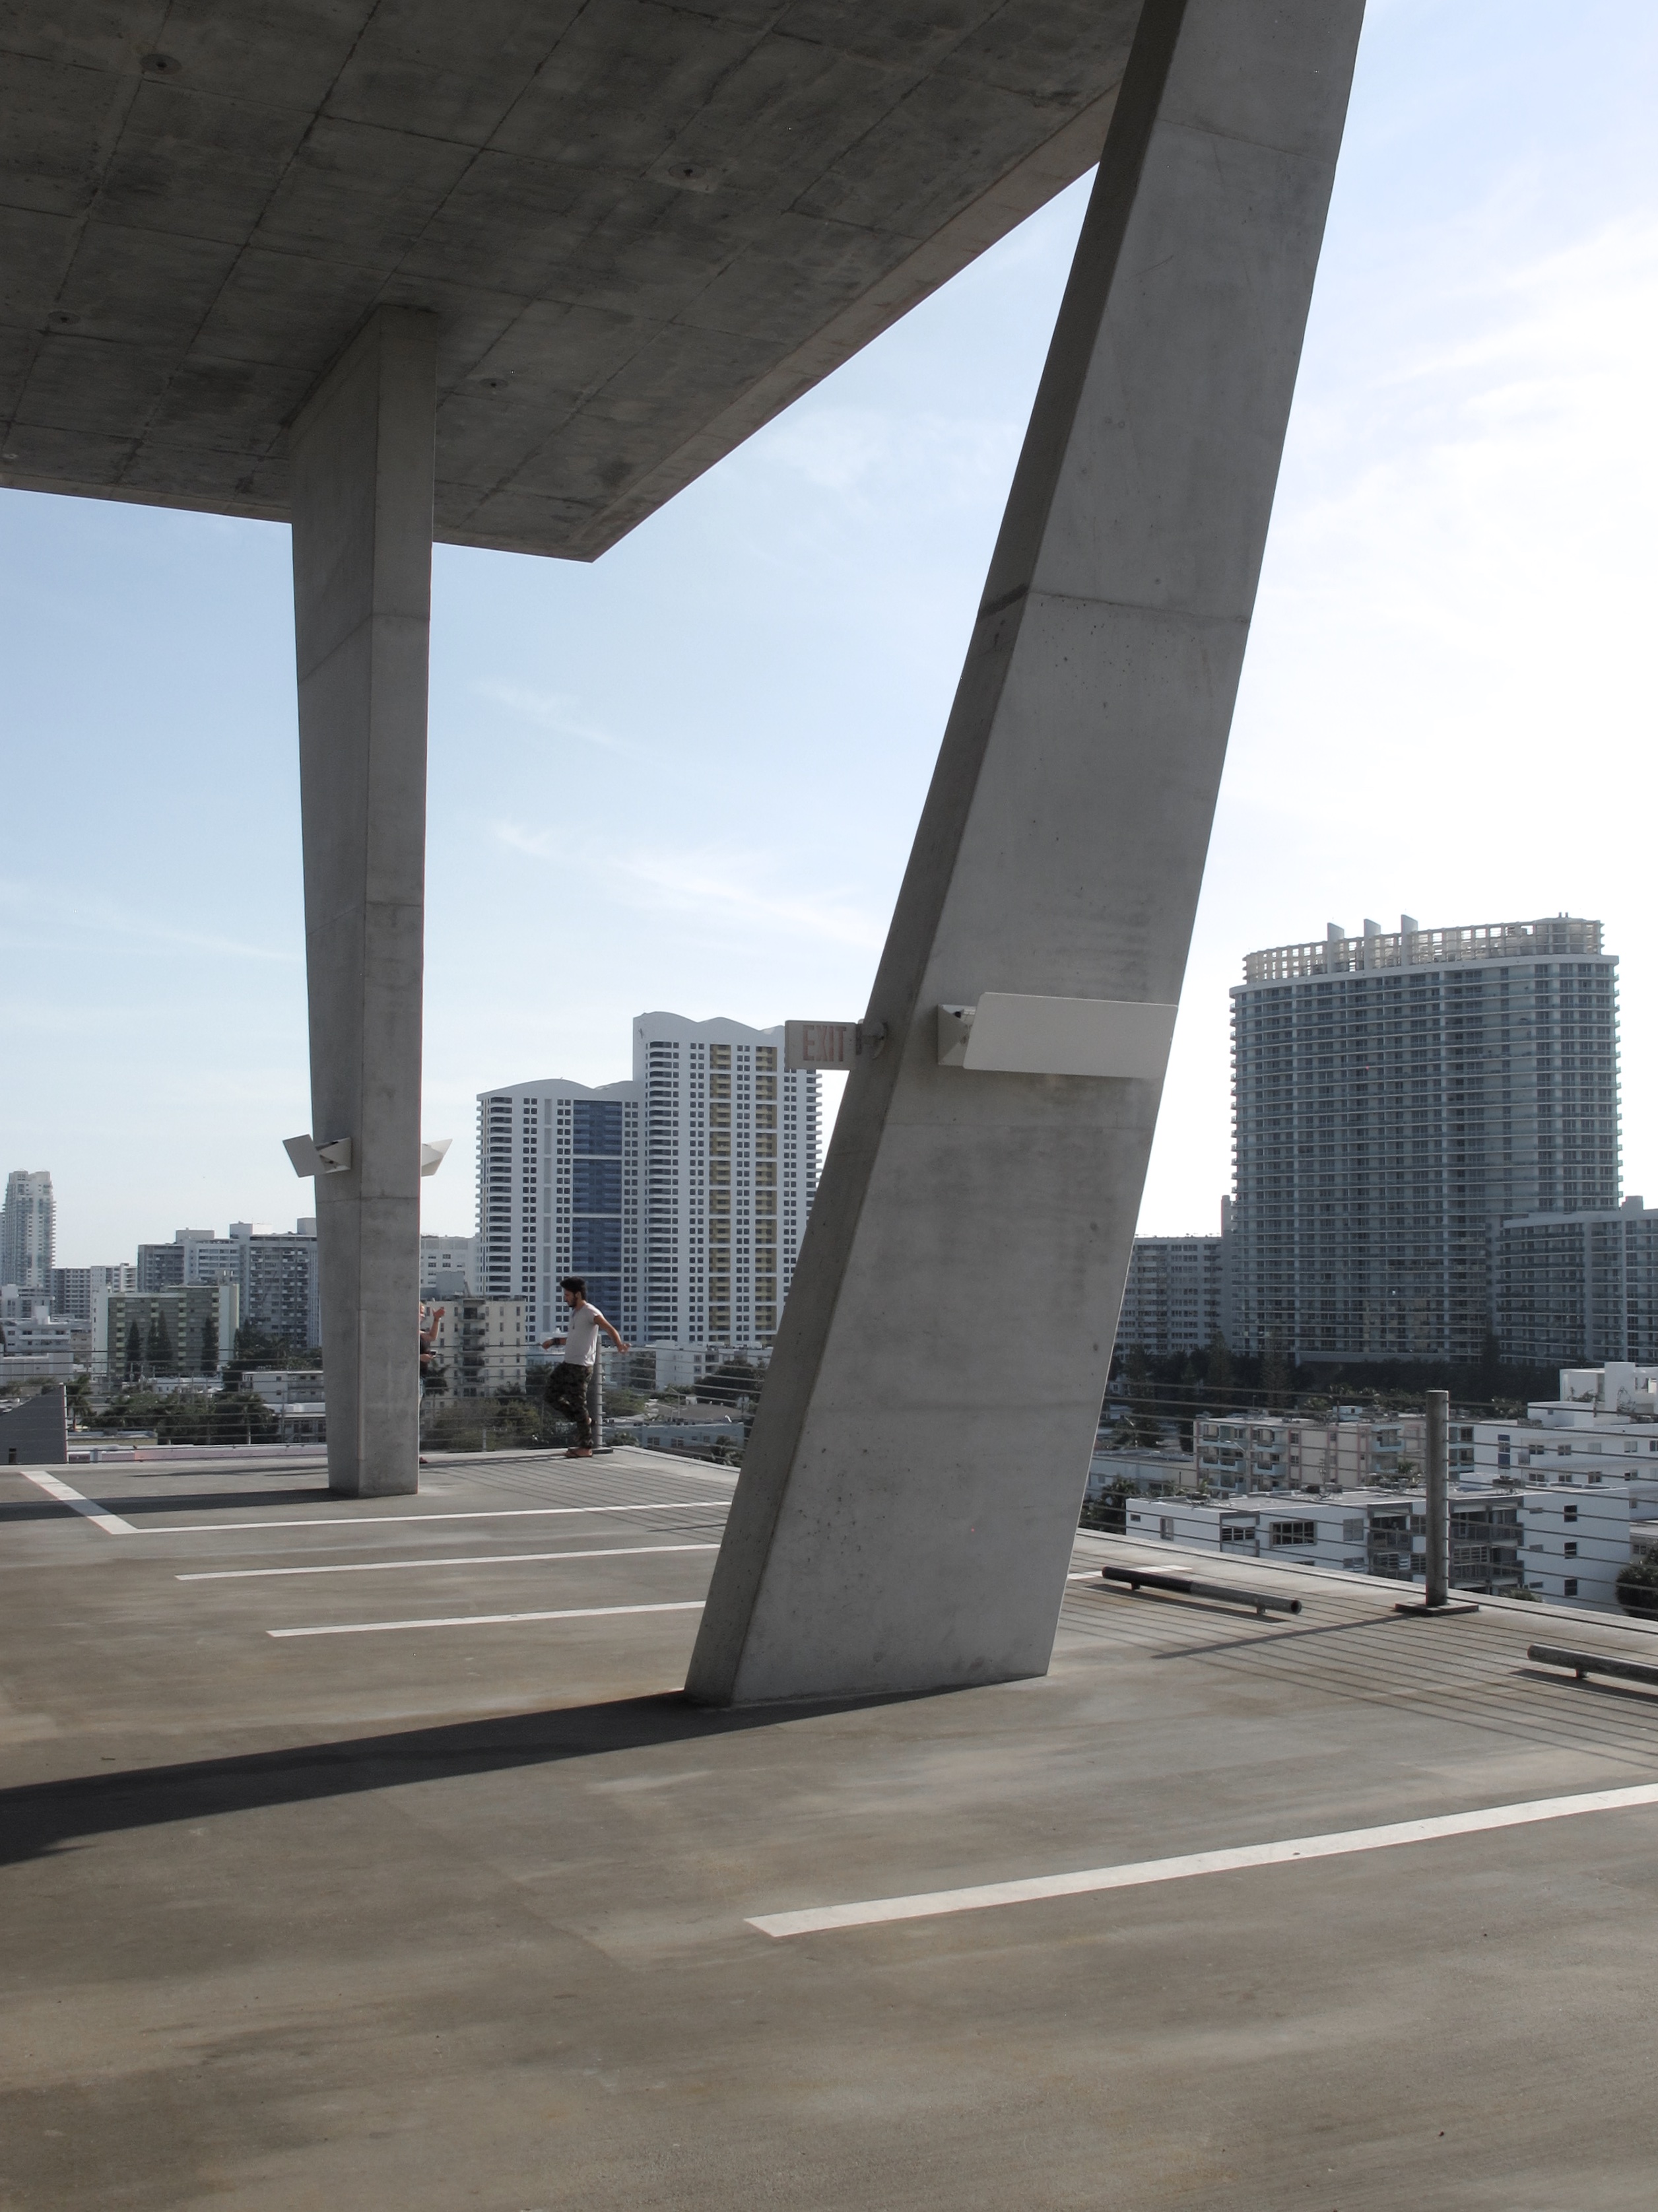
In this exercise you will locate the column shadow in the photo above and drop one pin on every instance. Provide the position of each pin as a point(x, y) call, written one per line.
point(37, 1818)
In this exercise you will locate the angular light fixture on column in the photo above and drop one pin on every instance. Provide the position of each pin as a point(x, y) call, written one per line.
point(311, 1158)
point(432, 1152)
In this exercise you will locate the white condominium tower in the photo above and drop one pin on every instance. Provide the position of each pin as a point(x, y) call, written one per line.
point(681, 1196)
point(731, 1152)
point(558, 1194)
point(28, 1230)
point(1397, 1095)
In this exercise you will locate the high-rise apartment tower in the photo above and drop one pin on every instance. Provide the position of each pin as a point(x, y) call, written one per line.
point(730, 1148)
point(558, 1194)
point(1395, 1094)
point(28, 1230)
point(681, 1197)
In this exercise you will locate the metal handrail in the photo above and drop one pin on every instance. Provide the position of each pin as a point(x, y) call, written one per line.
point(1585, 1663)
point(1188, 1586)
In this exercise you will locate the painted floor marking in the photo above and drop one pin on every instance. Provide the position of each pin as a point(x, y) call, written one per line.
point(489, 1619)
point(929, 1905)
point(100, 1516)
point(402, 1566)
point(394, 1520)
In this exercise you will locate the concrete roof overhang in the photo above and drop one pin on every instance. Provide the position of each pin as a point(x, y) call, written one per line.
point(646, 228)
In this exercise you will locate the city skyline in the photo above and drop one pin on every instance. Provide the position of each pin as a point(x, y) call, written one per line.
point(1452, 605)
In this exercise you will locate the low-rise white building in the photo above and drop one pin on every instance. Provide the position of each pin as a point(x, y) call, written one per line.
point(1577, 1542)
point(1344, 1450)
point(1374, 1532)
point(37, 1345)
point(282, 1387)
point(479, 1346)
point(1601, 1428)
point(694, 1439)
point(1148, 1472)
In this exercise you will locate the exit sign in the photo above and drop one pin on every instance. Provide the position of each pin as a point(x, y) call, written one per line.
point(820, 1044)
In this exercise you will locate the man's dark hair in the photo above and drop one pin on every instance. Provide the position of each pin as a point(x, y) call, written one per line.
point(575, 1283)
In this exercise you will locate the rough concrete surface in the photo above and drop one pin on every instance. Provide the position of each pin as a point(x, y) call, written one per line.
point(646, 228)
point(445, 1918)
point(876, 1542)
point(363, 603)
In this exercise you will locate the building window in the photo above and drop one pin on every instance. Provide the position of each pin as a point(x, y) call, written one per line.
point(1295, 1532)
point(1570, 1587)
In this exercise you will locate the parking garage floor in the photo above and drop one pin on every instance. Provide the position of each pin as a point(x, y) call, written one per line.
point(363, 1853)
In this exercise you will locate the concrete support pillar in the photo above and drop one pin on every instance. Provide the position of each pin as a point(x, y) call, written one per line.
point(911, 1488)
point(362, 503)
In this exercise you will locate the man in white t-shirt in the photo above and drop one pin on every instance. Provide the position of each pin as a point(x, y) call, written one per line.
point(568, 1384)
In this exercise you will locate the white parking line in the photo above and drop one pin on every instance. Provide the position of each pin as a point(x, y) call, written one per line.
point(929, 1904)
point(488, 1620)
point(396, 1520)
point(402, 1566)
point(111, 1523)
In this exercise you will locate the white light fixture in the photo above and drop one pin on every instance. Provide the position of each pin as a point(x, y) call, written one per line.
point(1017, 1033)
point(311, 1158)
point(431, 1154)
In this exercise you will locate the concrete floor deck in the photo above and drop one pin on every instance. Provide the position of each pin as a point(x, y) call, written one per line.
point(458, 1916)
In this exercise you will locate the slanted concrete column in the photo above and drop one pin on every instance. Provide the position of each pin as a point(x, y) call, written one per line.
point(361, 502)
point(910, 1492)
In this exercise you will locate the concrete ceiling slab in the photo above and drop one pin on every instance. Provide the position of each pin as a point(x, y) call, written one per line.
point(646, 228)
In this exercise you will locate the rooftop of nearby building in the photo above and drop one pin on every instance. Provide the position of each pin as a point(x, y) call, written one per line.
point(1557, 937)
point(365, 1851)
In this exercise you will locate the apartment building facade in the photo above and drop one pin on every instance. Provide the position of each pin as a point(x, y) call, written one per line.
point(28, 1230)
point(74, 1289)
point(1174, 1299)
point(680, 1196)
point(187, 1331)
point(1396, 1095)
point(449, 1266)
point(732, 1151)
point(481, 1344)
point(1577, 1286)
point(276, 1273)
point(558, 1195)
point(1347, 1450)
point(1376, 1531)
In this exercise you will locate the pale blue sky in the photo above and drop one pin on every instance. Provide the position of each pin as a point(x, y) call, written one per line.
point(688, 775)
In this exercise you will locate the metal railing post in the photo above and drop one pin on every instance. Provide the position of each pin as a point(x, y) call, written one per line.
point(1439, 1511)
point(596, 1399)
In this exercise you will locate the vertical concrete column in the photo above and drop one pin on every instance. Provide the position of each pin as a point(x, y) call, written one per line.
point(911, 1488)
point(362, 504)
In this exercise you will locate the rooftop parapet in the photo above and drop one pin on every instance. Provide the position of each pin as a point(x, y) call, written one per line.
point(1562, 937)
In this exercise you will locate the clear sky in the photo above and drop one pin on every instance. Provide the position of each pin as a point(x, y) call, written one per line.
point(687, 776)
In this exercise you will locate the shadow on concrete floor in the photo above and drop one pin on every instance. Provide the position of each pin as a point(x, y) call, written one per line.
point(41, 1817)
point(198, 1501)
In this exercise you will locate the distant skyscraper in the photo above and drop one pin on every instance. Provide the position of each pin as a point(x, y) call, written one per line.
point(558, 1194)
point(1174, 1300)
point(731, 1157)
point(73, 1289)
point(169, 1267)
point(274, 1272)
point(681, 1197)
point(280, 1280)
point(1395, 1094)
point(28, 1230)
